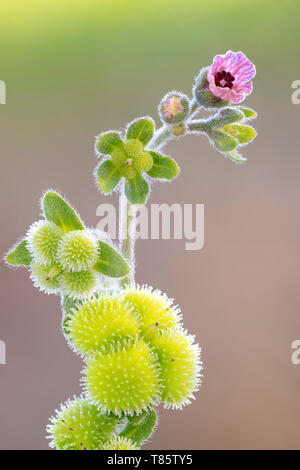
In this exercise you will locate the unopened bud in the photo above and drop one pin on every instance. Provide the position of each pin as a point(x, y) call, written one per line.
point(174, 107)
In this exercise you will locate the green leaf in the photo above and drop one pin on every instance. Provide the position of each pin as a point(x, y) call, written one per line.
point(248, 113)
point(20, 255)
point(60, 212)
point(139, 428)
point(235, 156)
point(137, 190)
point(110, 262)
point(108, 141)
point(243, 134)
point(141, 129)
point(222, 142)
point(163, 167)
point(108, 176)
point(68, 305)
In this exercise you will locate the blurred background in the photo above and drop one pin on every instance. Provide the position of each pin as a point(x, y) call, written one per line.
point(73, 69)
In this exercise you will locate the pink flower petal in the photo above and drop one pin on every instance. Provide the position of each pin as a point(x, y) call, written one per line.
point(240, 68)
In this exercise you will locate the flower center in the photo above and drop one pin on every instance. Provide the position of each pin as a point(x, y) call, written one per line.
point(224, 79)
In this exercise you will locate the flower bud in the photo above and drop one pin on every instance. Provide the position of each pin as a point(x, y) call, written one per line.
point(178, 129)
point(174, 107)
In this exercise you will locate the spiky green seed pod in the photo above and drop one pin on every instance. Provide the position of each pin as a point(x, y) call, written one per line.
point(155, 309)
point(133, 147)
point(179, 359)
point(79, 285)
point(80, 425)
point(42, 241)
point(77, 251)
point(102, 322)
point(128, 170)
point(45, 278)
point(119, 156)
point(143, 161)
point(124, 380)
point(119, 443)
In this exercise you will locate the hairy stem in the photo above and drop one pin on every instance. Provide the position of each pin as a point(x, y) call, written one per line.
point(127, 214)
point(127, 225)
point(201, 125)
point(160, 137)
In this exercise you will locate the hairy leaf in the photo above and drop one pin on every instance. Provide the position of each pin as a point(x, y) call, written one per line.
point(141, 129)
point(110, 262)
point(163, 167)
point(60, 212)
point(20, 255)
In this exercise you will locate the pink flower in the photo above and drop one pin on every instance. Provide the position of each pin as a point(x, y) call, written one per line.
point(229, 76)
point(172, 107)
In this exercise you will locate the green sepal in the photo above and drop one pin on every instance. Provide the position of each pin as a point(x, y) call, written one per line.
point(57, 210)
point(108, 176)
point(163, 167)
point(235, 156)
point(222, 142)
point(19, 255)
point(202, 93)
point(110, 262)
point(68, 305)
point(248, 113)
point(137, 190)
point(141, 129)
point(243, 134)
point(108, 141)
point(226, 116)
point(140, 427)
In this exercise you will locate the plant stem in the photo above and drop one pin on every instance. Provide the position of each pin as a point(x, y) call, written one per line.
point(127, 226)
point(201, 125)
point(161, 136)
point(127, 213)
